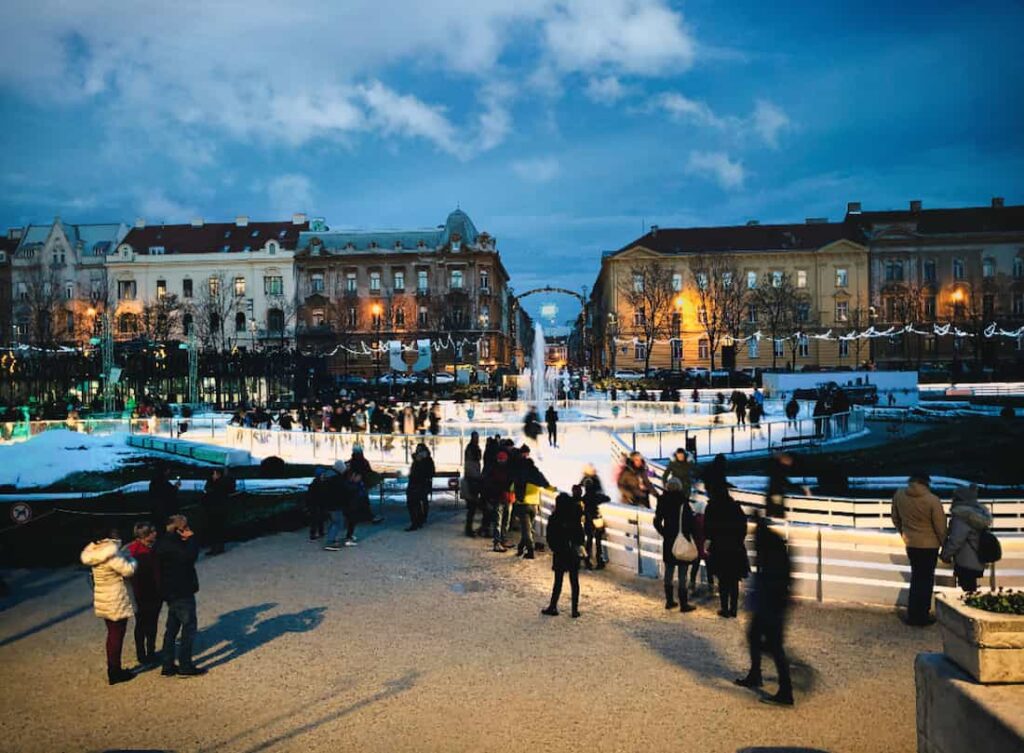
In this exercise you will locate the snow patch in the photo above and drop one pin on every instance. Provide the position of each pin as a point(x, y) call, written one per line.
point(52, 455)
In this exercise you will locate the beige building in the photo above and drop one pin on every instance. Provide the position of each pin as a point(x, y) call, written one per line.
point(822, 264)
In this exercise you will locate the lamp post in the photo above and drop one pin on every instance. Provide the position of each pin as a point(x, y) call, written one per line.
point(613, 331)
point(376, 310)
point(677, 321)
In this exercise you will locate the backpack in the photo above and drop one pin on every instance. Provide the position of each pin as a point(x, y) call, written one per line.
point(989, 549)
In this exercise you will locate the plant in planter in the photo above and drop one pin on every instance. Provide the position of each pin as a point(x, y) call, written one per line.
point(984, 634)
point(1003, 601)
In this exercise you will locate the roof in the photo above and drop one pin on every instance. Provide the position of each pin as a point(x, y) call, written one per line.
point(739, 238)
point(949, 221)
point(458, 222)
point(213, 237)
point(88, 235)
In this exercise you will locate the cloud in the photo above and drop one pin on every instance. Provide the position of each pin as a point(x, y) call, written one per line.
point(158, 208)
point(768, 121)
point(290, 193)
point(605, 90)
point(537, 169)
point(718, 167)
point(684, 109)
point(764, 124)
point(402, 114)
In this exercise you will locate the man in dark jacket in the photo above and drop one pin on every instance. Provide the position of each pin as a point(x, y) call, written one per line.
point(551, 419)
point(496, 483)
point(770, 602)
point(177, 552)
point(472, 469)
point(163, 497)
point(421, 481)
point(219, 489)
point(779, 484)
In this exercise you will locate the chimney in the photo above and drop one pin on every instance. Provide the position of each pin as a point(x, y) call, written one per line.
point(299, 218)
point(197, 222)
point(241, 220)
point(15, 233)
point(751, 223)
point(853, 207)
point(816, 220)
point(654, 230)
point(915, 205)
point(140, 222)
point(998, 202)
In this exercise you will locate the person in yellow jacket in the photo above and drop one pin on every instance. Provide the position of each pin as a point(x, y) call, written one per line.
point(527, 481)
point(918, 516)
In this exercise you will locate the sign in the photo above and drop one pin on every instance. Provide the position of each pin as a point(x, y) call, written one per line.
point(422, 355)
point(395, 356)
point(21, 513)
point(115, 374)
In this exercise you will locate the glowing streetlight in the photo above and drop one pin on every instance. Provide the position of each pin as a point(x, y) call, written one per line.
point(376, 310)
point(958, 295)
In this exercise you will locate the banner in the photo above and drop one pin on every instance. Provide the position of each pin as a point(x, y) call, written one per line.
point(395, 352)
point(422, 355)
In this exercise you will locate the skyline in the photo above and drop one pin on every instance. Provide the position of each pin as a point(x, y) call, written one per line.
point(564, 129)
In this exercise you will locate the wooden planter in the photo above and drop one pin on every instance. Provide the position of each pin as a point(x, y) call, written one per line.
point(987, 645)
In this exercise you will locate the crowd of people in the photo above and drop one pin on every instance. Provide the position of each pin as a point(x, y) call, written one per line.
point(356, 415)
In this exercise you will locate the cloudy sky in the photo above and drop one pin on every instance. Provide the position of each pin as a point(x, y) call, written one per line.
point(563, 127)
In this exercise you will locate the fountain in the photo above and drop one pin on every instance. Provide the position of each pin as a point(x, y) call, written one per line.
point(538, 372)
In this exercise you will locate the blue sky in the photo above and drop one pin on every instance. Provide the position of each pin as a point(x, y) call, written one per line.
point(562, 127)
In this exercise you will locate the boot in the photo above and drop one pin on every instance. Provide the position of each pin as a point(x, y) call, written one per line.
point(670, 602)
point(779, 699)
point(114, 676)
point(752, 680)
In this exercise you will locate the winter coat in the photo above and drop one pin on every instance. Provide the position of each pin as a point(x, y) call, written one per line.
point(967, 519)
point(918, 516)
point(163, 497)
point(667, 518)
point(528, 482)
point(110, 566)
point(177, 558)
point(564, 534)
point(725, 526)
point(496, 483)
point(218, 492)
point(681, 470)
point(471, 461)
point(551, 417)
point(634, 486)
point(774, 573)
point(146, 581)
point(421, 474)
point(716, 484)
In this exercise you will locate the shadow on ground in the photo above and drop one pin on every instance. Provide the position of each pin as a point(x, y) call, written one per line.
point(238, 632)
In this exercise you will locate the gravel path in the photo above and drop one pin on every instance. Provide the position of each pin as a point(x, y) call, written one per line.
point(430, 642)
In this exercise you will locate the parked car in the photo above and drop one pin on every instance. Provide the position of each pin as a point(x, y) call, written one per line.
point(628, 374)
point(697, 372)
point(395, 378)
point(440, 377)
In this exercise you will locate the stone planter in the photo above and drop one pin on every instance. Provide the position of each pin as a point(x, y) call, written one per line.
point(987, 645)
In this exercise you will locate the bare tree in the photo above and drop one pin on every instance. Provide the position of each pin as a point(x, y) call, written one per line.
point(41, 305)
point(780, 306)
point(287, 317)
point(859, 319)
point(650, 295)
point(160, 317)
point(905, 302)
point(342, 316)
point(211, 310)
point(720, 299)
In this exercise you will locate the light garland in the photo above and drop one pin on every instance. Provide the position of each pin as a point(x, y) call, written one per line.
point(372, 349)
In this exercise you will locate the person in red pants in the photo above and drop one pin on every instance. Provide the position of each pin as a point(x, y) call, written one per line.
point(110, 566)
point(146, 586)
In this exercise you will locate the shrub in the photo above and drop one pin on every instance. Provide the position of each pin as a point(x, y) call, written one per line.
point(1002, 600)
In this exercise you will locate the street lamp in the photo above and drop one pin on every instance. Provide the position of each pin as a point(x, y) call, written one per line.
point(677, 304)
point(376, 310)
point(613, 331)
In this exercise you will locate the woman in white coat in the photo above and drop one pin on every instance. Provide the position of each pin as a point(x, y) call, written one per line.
point(111, 598)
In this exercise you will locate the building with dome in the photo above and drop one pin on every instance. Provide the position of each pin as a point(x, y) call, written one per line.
point(445, 284)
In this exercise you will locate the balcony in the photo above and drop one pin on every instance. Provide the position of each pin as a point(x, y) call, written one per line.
point(422, 292)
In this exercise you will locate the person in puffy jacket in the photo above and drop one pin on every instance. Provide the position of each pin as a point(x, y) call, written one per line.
point(679, 467)
point(918, 516)
point(967, 519)
point(146, 588)
point(111, 601)
point(634, 485)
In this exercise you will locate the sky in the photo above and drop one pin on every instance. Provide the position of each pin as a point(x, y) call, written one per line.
point(562, 127)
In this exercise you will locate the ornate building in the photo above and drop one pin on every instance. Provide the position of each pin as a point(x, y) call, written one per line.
point(446, 284)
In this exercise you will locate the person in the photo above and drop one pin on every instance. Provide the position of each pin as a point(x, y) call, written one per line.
point(472, 466)
point(565, 538)
point(593, 522)
point(527, 483)
point(679, 467)
point(695, 395)
point(408, 420)
point(176, 553)
point(336, 501)
point(725, 526)
point(316, 503)
point(967, 519)
point(770, 602)
point(672, 517)
point(360, 466)
point(754, 413)
point(739, 404)
point(700, 540)
point(285, 420)
point(551, 419)
point(163, 494)
point(219, 489)
point(792, 411)
point(421, 481)
point(531, 424)
point(357, 508)
point(634, 485)
point(918, 517)
point(146, 588)
point(496, 487)
point(780, 467)
point(110, 566)
point(435, 418)
point(758, 397)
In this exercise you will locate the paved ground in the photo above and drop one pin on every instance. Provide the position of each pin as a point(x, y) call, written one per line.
point(430, 642)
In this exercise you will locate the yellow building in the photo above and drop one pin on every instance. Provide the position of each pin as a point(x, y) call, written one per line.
point(821, 266)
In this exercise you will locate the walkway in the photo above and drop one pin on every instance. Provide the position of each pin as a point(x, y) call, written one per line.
point(429, 642)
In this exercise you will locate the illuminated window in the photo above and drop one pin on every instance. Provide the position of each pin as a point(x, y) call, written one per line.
point(801, 278)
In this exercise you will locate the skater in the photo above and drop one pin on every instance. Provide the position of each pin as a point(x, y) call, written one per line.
point(146, 587)
point(967, 520)
point(473, 473)
point(531, 425)
point(672, 517)
point(177, 552)
point(770, 603)
point(551, 419)
point(565, 537)
point(918, 516)
point(421, 480)
point(110, 566)
point(739, 405)
point(792, 411)
point(527, 483)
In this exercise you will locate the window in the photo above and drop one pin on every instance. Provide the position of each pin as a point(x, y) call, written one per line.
point(842, 278)
point(127, 324)
point(929, 307)
point(275, 322)
point(485, 316)
point(421, 317)
point(186, 288)
point(751, 313)
point(776, 279)
point(779, 348)
point(958, 269)
point(458, 317)
point(352, 318)
point(239, 287)
point(703, 349)
point(702, 280)
point(1018, 268)
point(639, 317)
point(638, 283)
point(929, 270)
point(126, 290)
point(69, 291)
point(801, 278)
point(988, 306)
point(485, 349)
point(639, 351)
point(240, 322)
point(374, 282)
point(457, 275)
point(893, 270)
point(186, 323)
point(351, 282)
point(376, 319)
point(399, 316)
point(988, 267)
point(751, 280)
point(752, 346)
point(677, 281)
point(803, 312)
point(69, 322)
point(485, 280)
point(1018, 304)
point(844, 348)
point(726, 280)
point(317, 317)
point(214, 285)
point(23, 291)
point(842, 311)
point(316, 282)
point(399, 280)
point(803, 346)
point(273, 285)
point(421, 280)
point(677, 350)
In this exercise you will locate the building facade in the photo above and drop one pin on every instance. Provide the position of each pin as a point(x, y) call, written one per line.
point(445, 284)
point(230, 284)
point(822, 265)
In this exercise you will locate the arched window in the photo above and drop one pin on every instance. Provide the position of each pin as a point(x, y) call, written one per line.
point(275, 321)
point(240, 321)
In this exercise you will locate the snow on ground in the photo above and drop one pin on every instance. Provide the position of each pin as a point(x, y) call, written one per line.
point(52, 455)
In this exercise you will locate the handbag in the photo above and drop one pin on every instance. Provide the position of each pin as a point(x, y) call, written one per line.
point(683, 548)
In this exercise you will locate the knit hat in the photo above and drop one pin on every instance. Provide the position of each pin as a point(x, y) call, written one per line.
point(502, 456)
point(340, 467)
point(965, 495)
point(524, 450)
